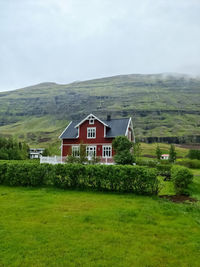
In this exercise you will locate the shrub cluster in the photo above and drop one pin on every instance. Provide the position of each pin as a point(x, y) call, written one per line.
point(12, 149)
point(181, 178)
point(194, 154)
point(135, 179)
point(25, 174)
point(164, 170)
point(189, 163)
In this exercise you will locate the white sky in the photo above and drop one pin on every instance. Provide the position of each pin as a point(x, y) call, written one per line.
point(67, 40)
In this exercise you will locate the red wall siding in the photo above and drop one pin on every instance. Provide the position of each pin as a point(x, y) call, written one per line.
point(99, 140)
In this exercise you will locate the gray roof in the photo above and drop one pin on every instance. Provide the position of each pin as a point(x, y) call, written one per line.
point(116, 127)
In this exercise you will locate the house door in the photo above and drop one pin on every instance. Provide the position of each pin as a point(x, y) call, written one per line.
point(91, 152)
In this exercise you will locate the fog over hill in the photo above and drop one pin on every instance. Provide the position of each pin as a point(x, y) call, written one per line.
point(162, 105)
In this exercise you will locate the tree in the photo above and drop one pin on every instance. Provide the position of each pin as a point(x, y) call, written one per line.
point(137, 150)
point(172, 154)
point(46, 152)
point(122, 147)
point(158, 152)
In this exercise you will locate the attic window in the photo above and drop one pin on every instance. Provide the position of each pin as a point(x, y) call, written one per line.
point(91, 121)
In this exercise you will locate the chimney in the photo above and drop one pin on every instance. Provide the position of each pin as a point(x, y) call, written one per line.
point(109, 117)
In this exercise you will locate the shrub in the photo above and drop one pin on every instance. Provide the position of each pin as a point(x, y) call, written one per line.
point(172, 154)
point(164, 170)
point(140, 180)
point(189, 163)
point(181, 177)
point(134, 179)
point(194, 154)
point(122, 147)
point(26, 174)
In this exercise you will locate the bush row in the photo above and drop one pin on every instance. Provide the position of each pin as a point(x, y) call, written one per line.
point(135, 179)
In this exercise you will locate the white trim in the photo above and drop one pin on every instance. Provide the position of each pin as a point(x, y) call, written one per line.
point(62, 149)
point(91, 128)
point(88, 118)
point(109, 157)
point(126, 134)
point(88, 144)
point(78, 132)
point(65, 130)
point(76, 146)
point(104, 131)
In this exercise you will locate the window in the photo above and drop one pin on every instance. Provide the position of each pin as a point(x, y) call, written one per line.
point(75, 151)
point(107, 151)
point(91, 133)
point(91, 151)
point(91, 121)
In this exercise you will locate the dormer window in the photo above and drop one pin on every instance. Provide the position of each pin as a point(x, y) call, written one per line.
point(91, 121)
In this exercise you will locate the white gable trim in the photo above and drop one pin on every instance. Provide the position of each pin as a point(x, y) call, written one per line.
point(65, 130)
point(88, 118)
point(129, 123)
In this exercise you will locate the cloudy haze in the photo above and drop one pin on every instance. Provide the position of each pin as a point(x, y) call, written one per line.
point(67, 40)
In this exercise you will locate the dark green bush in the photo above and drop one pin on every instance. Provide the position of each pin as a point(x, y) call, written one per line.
point(181, 178)
point(135, 179)
point(164, 170)
point(140, 180)
point(26, 174)
point(189, 163)
point(194, 154)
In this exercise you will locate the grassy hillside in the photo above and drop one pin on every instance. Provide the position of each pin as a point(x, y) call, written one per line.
point(161, 106)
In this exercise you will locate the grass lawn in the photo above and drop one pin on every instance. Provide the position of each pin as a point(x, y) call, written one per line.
point(52, 227)
point(150, 149)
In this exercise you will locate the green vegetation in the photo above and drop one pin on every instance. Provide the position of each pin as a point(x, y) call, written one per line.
point(135, 179)
point(52, 227)
point(194, 154)
point(181, 178)
point(172, 154)
point(158, 152)
point(149, 150)
point(122, 147)
point(11, 149)
point(162, 106)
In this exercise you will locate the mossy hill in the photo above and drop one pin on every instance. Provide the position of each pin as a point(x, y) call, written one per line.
point(162, 106)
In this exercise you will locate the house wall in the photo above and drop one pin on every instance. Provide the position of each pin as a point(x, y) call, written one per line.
point(99, 141)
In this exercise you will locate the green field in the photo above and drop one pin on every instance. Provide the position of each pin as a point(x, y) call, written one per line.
point(150, 149)
point(51, 227)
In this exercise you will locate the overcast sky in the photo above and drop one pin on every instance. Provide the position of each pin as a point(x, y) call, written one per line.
point(67, 40)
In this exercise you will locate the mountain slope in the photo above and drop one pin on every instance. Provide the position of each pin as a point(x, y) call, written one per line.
point(161, 106)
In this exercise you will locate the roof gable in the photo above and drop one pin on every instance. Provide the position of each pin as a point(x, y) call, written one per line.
point(114, 127)
point(87, 118)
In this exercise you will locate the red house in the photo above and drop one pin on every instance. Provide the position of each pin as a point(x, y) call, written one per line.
point(96, 134)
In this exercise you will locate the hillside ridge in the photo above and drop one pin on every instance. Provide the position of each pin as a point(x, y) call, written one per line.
point(163, 105)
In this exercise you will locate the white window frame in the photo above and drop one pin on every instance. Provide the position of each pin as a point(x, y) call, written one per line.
point(89, 133)
point(108, 149)
point(94, 151)
point(91, 121)
point(76, 151)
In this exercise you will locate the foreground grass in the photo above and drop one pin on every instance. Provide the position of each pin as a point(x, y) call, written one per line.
point(51, 227)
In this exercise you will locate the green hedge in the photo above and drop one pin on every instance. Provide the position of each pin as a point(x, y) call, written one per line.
point(189, 163)
point(135, 179)
point(181, 178)
point(164, 170)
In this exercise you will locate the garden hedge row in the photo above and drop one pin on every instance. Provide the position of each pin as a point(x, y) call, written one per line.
point(135, 179)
